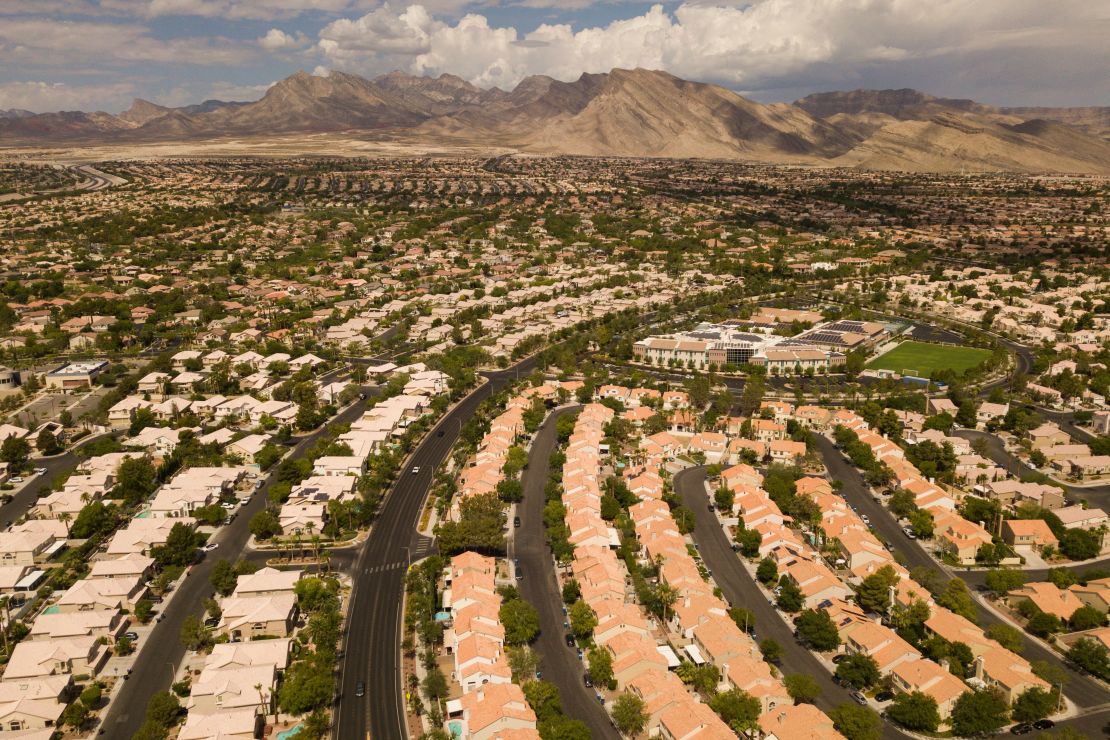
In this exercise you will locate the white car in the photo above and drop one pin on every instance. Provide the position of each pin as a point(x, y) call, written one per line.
point(416, 470)
point(210, 546)
point(15, 479)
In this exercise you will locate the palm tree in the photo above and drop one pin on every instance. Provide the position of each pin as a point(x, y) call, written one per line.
point(65, 518)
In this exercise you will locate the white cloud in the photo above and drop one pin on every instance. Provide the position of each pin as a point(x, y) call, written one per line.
point(759, 45)
point(278, 40)
point(35, 41)
point(40, 96)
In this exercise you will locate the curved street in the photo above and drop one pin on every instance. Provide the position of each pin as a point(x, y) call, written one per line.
point(740, 589)
point(559, 664)
point(1085, 691)
point(997, 452)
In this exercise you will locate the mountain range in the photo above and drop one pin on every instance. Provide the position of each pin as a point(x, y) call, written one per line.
point(638, 113)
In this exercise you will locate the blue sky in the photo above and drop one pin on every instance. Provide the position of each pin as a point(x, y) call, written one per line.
point(99, 54)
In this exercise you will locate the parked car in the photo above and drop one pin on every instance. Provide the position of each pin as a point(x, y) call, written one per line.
point(1021, 729)
point(16, 479)
point(588, 680)
point(210, 546)
point(884, 696)
point(570, 640)
point(516, 521)
point(909, 533)
point(1044, 724)
point(859, 698)
point(132, 636)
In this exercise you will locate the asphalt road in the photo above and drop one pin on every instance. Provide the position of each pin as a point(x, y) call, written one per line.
point(371, 652)
point(740, 589)
point(1080, 688)
point(559, 664)
point(163, 647)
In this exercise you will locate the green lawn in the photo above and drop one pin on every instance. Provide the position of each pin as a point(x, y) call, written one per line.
point(921, 358)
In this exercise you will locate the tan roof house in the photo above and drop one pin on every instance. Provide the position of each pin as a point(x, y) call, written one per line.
point(39, 658)
point(250, 617)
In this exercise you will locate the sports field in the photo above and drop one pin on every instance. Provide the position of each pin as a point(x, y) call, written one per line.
point(921, 358)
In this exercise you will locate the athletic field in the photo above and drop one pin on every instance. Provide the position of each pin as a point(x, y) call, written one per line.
point(921, 358)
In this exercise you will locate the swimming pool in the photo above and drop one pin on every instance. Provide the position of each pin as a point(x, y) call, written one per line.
point(291, 732)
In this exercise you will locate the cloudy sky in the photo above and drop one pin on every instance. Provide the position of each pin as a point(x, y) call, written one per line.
point(99, 54)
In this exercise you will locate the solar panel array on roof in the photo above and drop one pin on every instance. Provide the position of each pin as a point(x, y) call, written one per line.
point(706, 335)
point(846, 325)
point(819, 337)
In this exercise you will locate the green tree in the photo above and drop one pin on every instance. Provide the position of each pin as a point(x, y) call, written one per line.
point(75, 715)
point(15, 451)
point(771, 650)
point(767, 571)
point(873, 594)
point(163, 709)
point(265, 524)
point(749, 541)
point(817, 629)
point(90, 697)
point(802, 687)
point(860, 670)
point(921, 523)
point(1004, 580)
point(1086, 618)
point(979, 711)
point(193, 633)
point(1092, 656)
point(901, 502)
point(855, 722)
point(915, 711)
point(1079, 544)
point(956, 598)
point(135, 480)
point(1035, 703)
point(601, 665)
point(521, 621)
point(223, 578)
point(1043, 624)
point(582, 619)
point(309, 685)
point(180, 548)
point(47, 443)
point(738, 709)
point(544, 698)
point(523, 662)
point(790, 597)
point(628, 714)
point(1006, 636)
